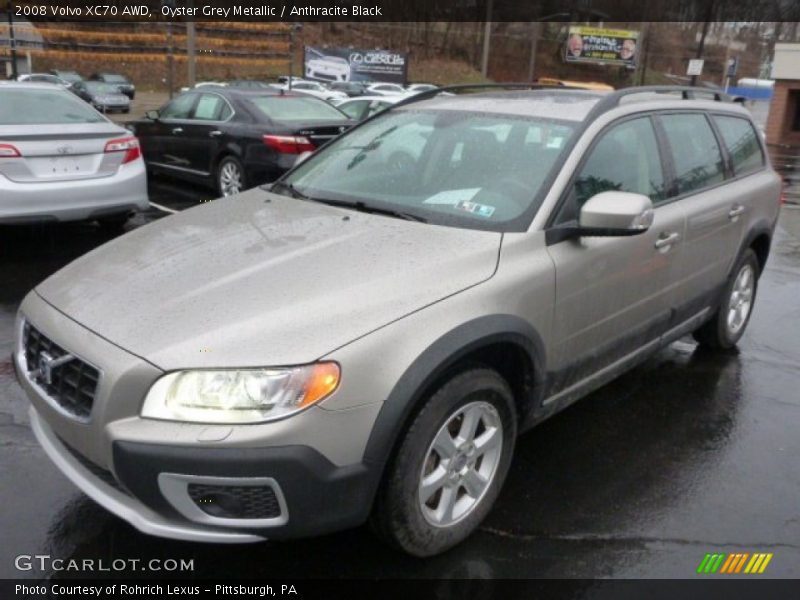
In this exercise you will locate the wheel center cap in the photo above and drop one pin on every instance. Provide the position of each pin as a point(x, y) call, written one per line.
point(460, 462)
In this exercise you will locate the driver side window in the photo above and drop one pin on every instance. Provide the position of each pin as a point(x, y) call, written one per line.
point(626, 159)
point(180, 108)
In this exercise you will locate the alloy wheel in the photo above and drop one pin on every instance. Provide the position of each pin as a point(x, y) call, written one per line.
point(460, 464)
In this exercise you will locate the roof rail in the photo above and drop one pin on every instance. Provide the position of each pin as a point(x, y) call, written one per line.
point(612, 99)
point(481, 86)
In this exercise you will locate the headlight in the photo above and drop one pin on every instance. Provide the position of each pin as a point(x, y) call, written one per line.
point(239, 396)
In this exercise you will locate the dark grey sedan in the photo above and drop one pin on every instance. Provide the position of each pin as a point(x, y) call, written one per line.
point(105, 97)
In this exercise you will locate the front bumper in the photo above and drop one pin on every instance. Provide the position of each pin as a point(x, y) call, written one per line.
point(118, 502)
point(142, 469)
point(315, 496)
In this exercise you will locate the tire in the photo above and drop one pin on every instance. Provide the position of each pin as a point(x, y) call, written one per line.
point(727, 325)
point(424, 528)
point(225, 170)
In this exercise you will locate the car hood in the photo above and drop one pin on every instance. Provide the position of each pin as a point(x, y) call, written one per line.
point(261, 279)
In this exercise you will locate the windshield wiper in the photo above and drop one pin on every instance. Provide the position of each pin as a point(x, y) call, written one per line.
point(361, 206)
point(358, 205)
point(293, 191)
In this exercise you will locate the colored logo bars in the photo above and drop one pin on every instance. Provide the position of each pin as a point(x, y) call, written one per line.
point(736, 563)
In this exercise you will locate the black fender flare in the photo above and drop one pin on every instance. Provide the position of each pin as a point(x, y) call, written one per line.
point(407, 393)
point(759, 228)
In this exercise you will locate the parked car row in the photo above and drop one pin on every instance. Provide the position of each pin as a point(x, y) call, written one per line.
point(107, 92)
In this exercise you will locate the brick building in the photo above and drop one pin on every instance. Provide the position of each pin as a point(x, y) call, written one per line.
point(783, 124)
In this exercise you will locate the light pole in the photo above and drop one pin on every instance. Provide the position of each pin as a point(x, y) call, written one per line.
point(12, 41)
point(294, 27)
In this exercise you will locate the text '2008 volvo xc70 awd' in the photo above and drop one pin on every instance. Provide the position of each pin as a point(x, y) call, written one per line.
point(365, 339)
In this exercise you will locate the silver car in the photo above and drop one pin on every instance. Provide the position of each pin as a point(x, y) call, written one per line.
point(366, 339)
point(62, 160)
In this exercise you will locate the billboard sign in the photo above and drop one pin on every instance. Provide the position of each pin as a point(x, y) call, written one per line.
point(351, 64)
point(598, 45)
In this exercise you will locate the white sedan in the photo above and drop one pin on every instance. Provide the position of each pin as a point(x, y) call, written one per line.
point(386, 89)
point(312, 88)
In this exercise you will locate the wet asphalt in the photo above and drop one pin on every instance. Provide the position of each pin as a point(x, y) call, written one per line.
point(690, 453)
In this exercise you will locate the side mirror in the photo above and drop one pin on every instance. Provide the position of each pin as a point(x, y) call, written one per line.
point(301, 157)
point(612, 214)
point(152, 115)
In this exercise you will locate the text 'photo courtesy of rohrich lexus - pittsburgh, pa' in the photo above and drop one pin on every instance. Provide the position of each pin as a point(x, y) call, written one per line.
point(364, 339)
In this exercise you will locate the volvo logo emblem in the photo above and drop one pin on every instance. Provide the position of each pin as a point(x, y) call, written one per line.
point(65, 149)
point(46, 365)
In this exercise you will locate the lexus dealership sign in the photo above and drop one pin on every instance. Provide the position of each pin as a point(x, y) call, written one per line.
point(351, 64)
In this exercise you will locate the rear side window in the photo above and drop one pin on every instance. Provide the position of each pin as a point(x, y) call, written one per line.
point(625, 159)
point(742, 143)
point(209, 107)
point(695, 152)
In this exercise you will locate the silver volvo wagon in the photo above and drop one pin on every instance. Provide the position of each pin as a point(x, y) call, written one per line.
point(365, 338)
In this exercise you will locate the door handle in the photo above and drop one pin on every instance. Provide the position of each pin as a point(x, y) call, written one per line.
point(215, 133)
point(667, 239)
point(177, 130)
point(735, 211)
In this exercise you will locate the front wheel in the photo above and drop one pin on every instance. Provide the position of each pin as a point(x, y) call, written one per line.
point(727, 326)
point(230, 176)
point(450, 465)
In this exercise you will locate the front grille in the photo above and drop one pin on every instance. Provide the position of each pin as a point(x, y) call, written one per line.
point(67, 380)
point(235, 502)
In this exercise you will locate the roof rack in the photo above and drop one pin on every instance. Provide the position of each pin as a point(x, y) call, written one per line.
point(482, 86)
point(612, 99)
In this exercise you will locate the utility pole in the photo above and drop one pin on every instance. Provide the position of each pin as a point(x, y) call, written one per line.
point(170, 57)
point(487, 39)
point(535, 26)
point(291, 57)
point(170, 60)
point(190, 54)
point(296, 27)
point(12, 41)
point(703, 34)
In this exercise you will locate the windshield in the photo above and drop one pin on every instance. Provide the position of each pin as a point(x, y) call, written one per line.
point(115, 79)
point(45, 107)
point(449, 167)
point(296, 108)
point(96, 87)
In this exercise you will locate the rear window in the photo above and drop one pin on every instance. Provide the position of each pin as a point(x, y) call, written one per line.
point(98, 87)
point(115, 79)
point(742, 142)
point(295, 108)
point(44, 107)
point(695, 152)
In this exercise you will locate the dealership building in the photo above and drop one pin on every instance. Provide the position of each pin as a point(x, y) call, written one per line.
point(783, 125)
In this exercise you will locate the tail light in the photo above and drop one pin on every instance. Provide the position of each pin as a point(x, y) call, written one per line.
point(128, 145)
point(289, 144)
point(9, 151)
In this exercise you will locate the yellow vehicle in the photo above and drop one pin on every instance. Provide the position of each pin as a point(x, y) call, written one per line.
point(587, 85)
